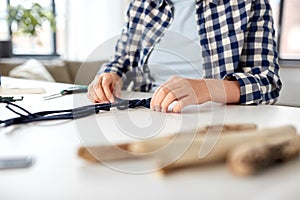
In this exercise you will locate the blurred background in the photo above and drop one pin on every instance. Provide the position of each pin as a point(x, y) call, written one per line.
point(61, 34)
point(81, 25)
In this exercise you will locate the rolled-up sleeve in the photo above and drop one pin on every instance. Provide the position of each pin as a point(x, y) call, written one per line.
point(259, 75)
point(145, 24)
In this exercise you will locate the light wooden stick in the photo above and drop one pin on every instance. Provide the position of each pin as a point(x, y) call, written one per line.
point(209, 132)
point(252, 157)
point(105, 153)
point(101, 153)
point(216, 151)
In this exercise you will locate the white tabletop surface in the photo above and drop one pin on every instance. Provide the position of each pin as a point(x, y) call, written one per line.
point(59, 173)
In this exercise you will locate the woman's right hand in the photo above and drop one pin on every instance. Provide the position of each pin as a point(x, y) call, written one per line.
point(104, 87)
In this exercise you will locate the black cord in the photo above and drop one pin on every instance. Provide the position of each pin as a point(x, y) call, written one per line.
point(75, 113)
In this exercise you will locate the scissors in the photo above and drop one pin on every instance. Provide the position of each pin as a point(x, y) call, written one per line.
point(71, 90)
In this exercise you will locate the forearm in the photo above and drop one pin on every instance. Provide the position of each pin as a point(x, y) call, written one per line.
point(221, 91)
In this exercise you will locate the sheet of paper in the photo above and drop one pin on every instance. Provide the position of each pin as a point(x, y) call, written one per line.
point(14, 91)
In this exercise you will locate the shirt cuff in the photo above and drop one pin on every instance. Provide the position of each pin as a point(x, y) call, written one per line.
point(107, 68)
point(249, 87)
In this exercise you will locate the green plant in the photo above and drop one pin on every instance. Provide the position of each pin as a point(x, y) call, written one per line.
point(30, 20)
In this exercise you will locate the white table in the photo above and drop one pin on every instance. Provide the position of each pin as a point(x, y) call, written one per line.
point(60, 174)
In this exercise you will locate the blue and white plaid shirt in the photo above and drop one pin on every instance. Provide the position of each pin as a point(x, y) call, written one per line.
point(237, 39)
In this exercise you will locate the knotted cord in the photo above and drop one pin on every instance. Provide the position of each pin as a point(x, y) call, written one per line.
point(74, 113)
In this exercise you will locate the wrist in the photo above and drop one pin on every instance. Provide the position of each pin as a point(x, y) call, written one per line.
point(201, 90)
point(206, 94)
point(222, 91)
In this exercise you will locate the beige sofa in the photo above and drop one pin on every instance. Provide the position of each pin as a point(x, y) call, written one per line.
point(61, 70)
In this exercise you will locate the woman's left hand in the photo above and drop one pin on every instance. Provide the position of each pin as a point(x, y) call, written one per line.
point(183, 90)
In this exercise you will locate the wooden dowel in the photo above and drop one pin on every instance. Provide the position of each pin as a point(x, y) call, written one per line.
point(101, 153)
point(217, 153)
point(186, 137)
point(105, 153)
point(252, 157)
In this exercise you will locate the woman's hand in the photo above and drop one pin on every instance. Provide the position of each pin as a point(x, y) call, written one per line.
point(183, 90)
point(104, 87)
point(194, 91)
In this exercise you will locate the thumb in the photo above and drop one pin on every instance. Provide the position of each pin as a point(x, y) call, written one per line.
point(107, 85)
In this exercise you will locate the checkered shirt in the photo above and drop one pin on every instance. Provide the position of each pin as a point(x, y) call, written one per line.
point(237, 39)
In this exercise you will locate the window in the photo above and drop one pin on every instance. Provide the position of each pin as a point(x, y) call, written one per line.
point(81, 26)
point(275, 4)
point(4, 31)
point(289, 47)
point(60, 26)
point(46, 43)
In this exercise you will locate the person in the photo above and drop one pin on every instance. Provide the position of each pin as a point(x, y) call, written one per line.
point(239, 55)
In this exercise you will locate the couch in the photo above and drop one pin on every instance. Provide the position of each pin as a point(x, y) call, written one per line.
point(62, 71)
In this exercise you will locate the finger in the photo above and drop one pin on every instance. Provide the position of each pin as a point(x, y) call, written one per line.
point(117, 89)
point(92, 89)
point(107, 85)
point(163, 90)
point(181, 104)
point(158, 97)
point(91, 93)
point(156, 93)
point(91, 98)
point(99, 93)
point(172, 96)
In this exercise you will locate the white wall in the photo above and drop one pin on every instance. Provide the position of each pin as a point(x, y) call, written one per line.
point(90, 23)
point(290, 94)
